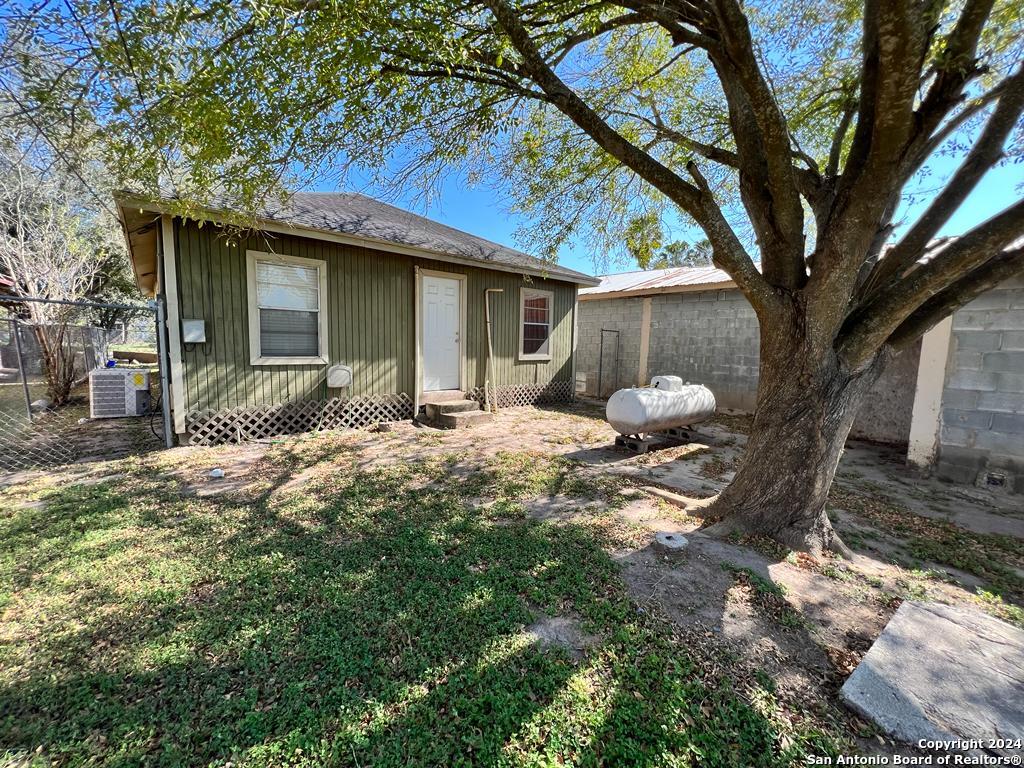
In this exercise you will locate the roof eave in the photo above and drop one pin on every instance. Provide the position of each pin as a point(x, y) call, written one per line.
point(129, 200)
point(635, 292)
point(147, 282)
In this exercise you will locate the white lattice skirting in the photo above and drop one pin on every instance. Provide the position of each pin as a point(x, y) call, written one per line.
point(512, 395)
point(237, 425)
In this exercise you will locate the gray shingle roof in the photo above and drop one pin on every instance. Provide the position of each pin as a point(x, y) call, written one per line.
point(360, 216)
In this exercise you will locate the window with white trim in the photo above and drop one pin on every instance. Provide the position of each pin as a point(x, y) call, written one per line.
point(535, 324)
point(287, 321)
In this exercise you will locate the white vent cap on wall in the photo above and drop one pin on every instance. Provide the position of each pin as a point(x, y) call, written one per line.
point(339, 376)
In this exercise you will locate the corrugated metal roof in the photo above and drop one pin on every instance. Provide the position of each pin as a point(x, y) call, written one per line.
point(658, 280)
point(681, 279)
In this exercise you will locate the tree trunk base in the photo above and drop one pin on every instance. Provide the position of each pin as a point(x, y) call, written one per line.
point(816, 542)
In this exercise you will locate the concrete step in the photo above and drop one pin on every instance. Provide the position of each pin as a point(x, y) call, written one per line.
point(434, 410)
point(463, 419)
point(441, 396)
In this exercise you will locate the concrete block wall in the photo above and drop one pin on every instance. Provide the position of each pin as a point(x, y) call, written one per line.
point(981, 437)
point(622, 315)
point(886, 414)
point(710, 338)
point(713, 338)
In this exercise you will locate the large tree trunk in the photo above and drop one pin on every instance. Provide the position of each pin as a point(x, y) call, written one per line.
point(806, 404)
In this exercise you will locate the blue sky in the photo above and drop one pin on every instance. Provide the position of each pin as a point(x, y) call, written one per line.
point(481, 211)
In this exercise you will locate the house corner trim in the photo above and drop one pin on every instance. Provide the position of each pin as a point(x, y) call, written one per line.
point(170, 277)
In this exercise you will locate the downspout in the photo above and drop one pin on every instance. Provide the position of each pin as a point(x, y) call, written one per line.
point(575, 338)
point(416, 363)
point(489, 368)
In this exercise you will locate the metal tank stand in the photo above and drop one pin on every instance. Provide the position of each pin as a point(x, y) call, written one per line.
point(668, 438)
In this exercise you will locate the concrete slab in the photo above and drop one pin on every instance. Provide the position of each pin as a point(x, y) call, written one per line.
point(939, 673)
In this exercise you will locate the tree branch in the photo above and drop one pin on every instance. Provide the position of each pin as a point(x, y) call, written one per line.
point(957, 67)
point(699, 203)
point(768, 182)
point(986, 152)
point(1001, 267)
point(895, 44)
point(707, 151)
point(440, 70)
point(674, 20)
point(838, 138)
point(944, 131)
point(558, 54)
point(872, 322)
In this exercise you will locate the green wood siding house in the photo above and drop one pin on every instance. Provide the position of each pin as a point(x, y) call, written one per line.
point(340, 310)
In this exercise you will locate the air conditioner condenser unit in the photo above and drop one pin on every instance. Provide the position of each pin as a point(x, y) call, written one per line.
point(117, 392)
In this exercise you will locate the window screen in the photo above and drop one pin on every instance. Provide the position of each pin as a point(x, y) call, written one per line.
point(536, 315)
point(288, 300)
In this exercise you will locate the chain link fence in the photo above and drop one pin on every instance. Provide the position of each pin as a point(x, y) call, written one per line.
point(71, 391)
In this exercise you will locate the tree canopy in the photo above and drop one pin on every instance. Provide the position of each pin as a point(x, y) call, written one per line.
point(645, 243)
point(590, 114)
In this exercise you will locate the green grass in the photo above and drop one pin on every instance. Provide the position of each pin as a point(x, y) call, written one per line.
point(12, 395)
point(771, 597)
point(996, 605)
point(360, 617)
point(133, 348)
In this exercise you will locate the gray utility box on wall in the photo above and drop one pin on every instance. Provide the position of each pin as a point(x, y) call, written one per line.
point(193, 331)
point(115, 392)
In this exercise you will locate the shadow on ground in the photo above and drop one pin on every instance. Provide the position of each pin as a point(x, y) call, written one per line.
point(327, 614)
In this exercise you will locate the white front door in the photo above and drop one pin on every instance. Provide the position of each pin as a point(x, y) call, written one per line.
point(441, 342)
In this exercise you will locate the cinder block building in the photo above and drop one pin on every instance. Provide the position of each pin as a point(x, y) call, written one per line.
point(955, 400)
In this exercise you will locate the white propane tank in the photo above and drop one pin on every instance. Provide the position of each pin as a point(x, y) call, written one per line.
point(653, 409)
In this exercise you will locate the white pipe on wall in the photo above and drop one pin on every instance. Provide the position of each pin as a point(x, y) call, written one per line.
point(489, 368)
point(417, 364)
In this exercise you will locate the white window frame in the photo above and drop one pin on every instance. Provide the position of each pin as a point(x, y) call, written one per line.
point(255, 358)
point(530, 293)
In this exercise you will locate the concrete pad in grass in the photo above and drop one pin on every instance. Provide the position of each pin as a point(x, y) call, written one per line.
point(938, 673)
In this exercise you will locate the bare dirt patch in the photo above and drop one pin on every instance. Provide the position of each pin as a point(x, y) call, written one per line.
point(564, 632)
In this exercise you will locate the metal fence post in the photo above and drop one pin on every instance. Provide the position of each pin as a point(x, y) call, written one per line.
point(165, 365)
point(21, 366)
